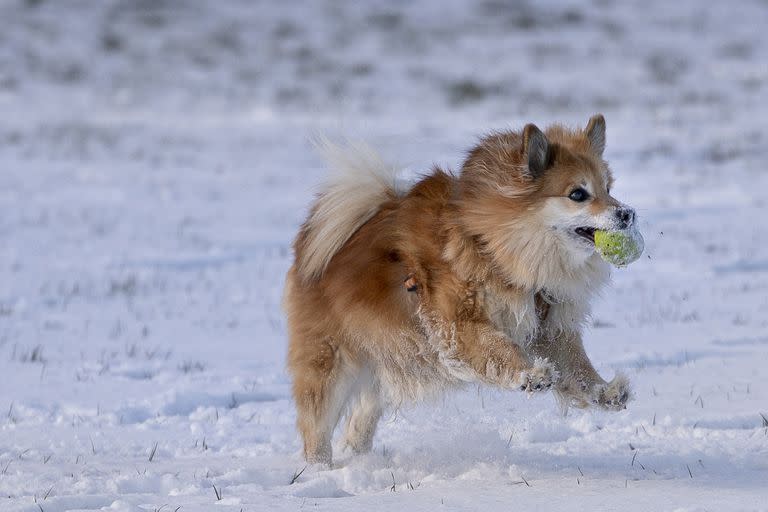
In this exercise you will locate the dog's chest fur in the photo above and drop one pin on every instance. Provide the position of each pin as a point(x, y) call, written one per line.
point(511, 312)
point(515, 313)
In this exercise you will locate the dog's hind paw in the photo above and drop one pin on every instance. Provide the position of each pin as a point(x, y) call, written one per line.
point(540, 377)
point(614, 395)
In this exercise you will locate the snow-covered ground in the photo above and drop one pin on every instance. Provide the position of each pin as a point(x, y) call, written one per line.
point(154, 168)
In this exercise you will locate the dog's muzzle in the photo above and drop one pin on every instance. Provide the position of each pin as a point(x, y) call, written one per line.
point(625, 217)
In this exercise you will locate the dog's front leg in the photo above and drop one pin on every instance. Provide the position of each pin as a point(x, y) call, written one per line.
point(473, 350)
point(580, 385)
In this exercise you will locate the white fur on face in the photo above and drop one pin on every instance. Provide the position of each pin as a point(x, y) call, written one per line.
point(562, 217)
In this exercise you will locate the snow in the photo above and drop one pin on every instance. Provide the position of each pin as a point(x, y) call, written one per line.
point(155, 165)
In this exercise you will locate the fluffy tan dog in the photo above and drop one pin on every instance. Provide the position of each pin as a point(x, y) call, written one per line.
point(399, 294)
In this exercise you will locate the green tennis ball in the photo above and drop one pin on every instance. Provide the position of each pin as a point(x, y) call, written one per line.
point(619, 248)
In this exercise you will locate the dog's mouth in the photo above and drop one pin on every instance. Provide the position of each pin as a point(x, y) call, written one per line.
point(587, 234)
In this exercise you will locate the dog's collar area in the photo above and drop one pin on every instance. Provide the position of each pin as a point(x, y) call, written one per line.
point(542, 302)
point(547, 296)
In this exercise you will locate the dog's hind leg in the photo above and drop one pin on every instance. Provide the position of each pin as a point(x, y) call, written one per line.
point(322, 384)
point(364, 416)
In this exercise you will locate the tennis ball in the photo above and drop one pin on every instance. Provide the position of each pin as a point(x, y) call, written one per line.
point(619, 248)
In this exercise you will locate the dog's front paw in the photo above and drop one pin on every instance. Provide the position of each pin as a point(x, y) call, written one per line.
point(540, 377)
point(614, 395)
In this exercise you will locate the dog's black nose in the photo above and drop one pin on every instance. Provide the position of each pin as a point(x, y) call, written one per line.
point(626, 217)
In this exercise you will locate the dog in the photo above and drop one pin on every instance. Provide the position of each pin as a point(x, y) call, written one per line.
point(400, 293)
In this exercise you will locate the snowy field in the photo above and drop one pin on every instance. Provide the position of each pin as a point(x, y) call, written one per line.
point(154, 167)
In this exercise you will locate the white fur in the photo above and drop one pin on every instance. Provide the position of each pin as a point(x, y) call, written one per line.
point(414, 372)
point(359, 182)
point(326, 422)
point(442, 336)
point(364, 414)
point(562, 220)
point(514, 315)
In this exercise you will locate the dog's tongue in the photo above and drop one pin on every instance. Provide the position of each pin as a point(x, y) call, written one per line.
point(619, 248)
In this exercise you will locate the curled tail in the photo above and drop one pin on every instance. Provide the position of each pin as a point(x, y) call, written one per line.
point(359, 183)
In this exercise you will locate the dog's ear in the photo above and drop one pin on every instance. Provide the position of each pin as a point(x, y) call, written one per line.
point(596, 134)
point(536, 148)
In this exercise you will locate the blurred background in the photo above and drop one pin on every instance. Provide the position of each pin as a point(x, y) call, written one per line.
point(139, 137)
point(154, 167)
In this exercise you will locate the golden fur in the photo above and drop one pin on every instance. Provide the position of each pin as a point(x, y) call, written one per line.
point(399, 295)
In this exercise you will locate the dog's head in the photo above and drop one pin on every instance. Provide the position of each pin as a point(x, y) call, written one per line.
point(534, 200)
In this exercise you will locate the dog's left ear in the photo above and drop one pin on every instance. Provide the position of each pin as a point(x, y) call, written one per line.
point(596, 134)
point(536, 148)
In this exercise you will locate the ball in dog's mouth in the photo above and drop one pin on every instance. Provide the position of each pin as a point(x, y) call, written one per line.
point(619, 248)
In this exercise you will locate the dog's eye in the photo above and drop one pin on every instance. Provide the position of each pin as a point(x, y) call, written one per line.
point(579, 195)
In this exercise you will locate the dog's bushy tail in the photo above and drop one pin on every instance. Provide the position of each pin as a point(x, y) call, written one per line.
point(358, 184)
